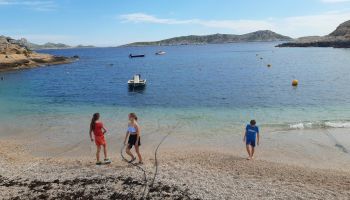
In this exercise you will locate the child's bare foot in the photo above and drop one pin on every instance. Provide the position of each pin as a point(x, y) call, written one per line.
point(249, 158)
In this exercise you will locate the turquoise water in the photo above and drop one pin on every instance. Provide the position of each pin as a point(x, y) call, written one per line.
point(209, 89)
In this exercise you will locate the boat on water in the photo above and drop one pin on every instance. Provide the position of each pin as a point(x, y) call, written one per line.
point(136, 82)
point(136, 55)
point(160, 53)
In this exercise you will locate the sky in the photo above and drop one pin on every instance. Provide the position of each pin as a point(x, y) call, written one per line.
point(117, 22)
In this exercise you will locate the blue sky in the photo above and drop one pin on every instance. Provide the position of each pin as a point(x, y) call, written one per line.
point(116, 22)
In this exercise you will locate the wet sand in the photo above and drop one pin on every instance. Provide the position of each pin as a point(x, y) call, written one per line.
point(290, 165)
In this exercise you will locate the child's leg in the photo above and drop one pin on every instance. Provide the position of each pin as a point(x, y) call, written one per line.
point(98, 153)
point(248, 150)
point(252, 151)
point(137, 149)
point(127, 150)
point(105, 150)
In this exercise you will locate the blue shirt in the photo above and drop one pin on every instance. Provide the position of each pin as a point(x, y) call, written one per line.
point(251, 132)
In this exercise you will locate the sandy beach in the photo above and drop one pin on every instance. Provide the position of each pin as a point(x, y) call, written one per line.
point(187, 81)
point(187, 171)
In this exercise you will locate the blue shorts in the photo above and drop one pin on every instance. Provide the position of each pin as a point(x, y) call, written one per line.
point(250, 142)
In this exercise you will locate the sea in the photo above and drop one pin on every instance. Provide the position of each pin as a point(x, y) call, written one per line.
point(192, 90)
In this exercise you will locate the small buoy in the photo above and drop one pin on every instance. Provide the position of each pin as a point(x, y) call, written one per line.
point(269, 65)
point(261, 58)
point(295, 82)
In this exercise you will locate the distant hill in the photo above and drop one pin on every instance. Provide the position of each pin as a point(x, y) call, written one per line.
point(84, 46)
point(343, 30)
point(258, 36)
point(340, 38)
point(49, 45)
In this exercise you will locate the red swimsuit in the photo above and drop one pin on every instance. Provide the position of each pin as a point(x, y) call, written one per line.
point(99, 136)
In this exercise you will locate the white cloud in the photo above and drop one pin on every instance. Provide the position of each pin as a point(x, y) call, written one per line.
point(295, 26)
point(38, 5)
point(141, 17)
point(321, 24)
point(235, 25)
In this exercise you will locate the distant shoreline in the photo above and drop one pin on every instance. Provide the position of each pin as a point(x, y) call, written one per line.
point(201, 44)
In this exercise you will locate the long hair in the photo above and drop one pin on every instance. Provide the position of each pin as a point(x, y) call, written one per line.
point(133, 115)
point(95, 117)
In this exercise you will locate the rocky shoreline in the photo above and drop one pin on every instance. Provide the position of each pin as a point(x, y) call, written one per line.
point(340, 38)
point(13, 56)
point(38, 60)
point(324, 42)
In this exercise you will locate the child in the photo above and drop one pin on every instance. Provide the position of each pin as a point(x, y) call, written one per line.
point(133, 133)
point(251, 133)
point(99, 130)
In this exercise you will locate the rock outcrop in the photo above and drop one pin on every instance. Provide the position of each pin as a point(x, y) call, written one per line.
point(14, 54)
point(340, 38)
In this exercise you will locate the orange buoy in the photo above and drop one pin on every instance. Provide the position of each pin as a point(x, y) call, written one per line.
point(295, 82)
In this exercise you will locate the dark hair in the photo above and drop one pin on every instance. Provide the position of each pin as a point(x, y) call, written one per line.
point(252, 122)
point(133, 115)
point(95, 117)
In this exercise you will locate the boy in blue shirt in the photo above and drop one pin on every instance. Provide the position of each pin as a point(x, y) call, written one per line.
point(250, 135)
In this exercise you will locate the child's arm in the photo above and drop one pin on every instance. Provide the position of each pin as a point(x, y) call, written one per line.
point(244, 135)
point(104, 129)
point(258, 138)
point(90, 133)
point(126, 137)
point(138, 135)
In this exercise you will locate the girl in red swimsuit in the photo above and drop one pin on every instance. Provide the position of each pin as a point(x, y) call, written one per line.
point(99, 130)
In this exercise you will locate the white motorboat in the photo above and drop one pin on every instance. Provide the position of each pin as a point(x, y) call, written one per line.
point(137, 82)
point(159, 53)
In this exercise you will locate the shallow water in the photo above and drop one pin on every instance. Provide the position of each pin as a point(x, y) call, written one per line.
point(206, 90)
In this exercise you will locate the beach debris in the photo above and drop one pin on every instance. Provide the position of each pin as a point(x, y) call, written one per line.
point(269, 65)
point(295, 82)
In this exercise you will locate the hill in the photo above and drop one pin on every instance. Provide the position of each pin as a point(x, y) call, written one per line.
point(340, 38)
point(48, 45)
point(258, 36)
